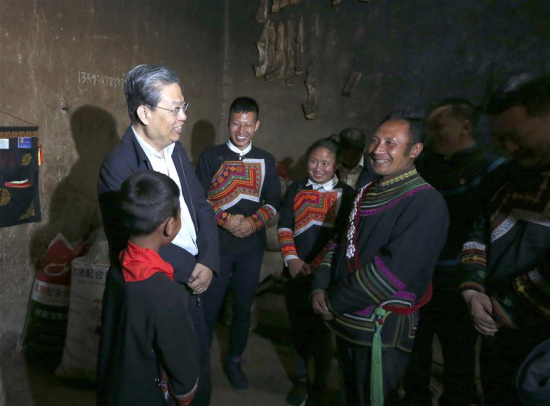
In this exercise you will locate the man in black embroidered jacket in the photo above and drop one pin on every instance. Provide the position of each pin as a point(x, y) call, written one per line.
point(381, 274)
point(506, 259)
point(464, 174)
point(243, 187)
point(156, 107)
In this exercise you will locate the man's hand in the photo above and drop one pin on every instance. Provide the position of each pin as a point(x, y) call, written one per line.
point(319, 304)
point(236, 221)
point(295, 267)
point(244, 229)
point(308, 269)
point(200, 278)
point(481, 309)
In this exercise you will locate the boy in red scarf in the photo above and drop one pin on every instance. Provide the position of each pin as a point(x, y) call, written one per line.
point(148, 353)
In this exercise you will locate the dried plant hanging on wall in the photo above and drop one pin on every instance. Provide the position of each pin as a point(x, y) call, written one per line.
point(281, 50)
point(20, 157)
point(262, 45)
point(271, 43)
point(299, 66)
point(281, 44)
point(261, 14)
point(290, 53)
point(276, 69)
point(353, 79)
point(310, 106)
point(283, 4)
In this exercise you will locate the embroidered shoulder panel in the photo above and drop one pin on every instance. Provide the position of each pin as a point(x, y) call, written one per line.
point(313, 208)
point(235, 181)
point(536, 290)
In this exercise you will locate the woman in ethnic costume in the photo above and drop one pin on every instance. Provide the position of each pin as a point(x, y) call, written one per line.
point(308, 221)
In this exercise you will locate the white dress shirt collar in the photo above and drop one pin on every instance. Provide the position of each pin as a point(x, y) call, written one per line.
point(327, 187)
point(241, 153)
point(152, 152)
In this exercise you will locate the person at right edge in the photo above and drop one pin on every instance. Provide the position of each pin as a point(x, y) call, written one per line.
point(506, 259)
point(370, 290)
point(465, 175)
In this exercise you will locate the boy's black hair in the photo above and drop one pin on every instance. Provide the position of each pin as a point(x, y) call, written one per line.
point(244, 105)
point(148, 198)
point(329, 143)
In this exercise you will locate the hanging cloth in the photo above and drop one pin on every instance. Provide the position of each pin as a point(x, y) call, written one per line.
point(20, 157)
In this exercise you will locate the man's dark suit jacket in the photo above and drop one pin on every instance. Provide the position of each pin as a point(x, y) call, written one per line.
point(128, 158)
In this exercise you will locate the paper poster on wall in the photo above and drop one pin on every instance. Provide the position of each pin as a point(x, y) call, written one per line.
point(20, 157)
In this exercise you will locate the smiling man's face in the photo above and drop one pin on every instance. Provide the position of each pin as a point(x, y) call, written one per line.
point(242, 127)
point(526, 138)
point(390, 151)
point(163, 128)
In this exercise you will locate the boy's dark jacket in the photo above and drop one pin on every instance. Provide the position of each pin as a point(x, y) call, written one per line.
point(145, 324)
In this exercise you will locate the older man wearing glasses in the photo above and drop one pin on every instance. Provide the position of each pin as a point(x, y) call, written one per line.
point(157, 108)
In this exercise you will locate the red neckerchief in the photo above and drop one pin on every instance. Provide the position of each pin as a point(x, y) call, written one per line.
point(140, 263)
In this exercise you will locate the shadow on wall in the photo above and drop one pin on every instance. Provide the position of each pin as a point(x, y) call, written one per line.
point(203, 136)
point(295, 169)
point(74, 209)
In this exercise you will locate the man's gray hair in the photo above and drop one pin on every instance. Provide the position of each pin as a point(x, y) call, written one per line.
point(143, 86)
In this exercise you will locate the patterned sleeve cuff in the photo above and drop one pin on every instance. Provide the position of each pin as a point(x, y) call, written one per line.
point(474, 254)
point(502, 315)
point(332, 248)
point(223, 218)
point(320, 256)
point(535, 289)
point(286, 244)
point(259, 219)
point(471, 285)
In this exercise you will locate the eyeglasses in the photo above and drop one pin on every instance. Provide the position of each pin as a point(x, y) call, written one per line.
point(176, 111)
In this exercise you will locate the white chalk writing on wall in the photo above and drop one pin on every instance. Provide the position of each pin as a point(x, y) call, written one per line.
point(96, 79)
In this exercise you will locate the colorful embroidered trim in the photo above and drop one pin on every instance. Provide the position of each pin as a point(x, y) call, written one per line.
point(286, 242)
point(399, 178)
point(259, 219)
point(236, 180)
point(314, 208)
